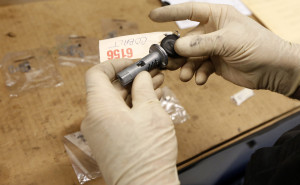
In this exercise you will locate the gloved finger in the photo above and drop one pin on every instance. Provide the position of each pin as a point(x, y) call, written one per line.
point(199, 30)
point(142, 89)
point(157, 76)
point(204, 71)
point(218, 64)
point(187, 71)
point(154, 72)
point(175, 63)
point(158, 93)
point(101, 94)
point(111, 67)
point(201, 45)
point(192, 11)
point(128, 101)
point(158, 80)
point(123, 91)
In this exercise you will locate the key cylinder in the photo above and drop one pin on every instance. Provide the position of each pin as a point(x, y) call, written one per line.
point(157, 58)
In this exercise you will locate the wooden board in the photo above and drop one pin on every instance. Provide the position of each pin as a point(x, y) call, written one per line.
point(280, 16)
point(12, 2)
point(32, 126)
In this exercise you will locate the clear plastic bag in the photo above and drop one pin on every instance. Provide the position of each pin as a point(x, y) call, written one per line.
point(171, 104)
point(83, 163)
point(74, 50)
point(27, 70)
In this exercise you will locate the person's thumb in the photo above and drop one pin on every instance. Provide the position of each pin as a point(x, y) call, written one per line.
point(200, 45)
point(142, 89)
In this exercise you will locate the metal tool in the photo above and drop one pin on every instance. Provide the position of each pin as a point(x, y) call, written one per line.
point(157, 58)
point(168, 45)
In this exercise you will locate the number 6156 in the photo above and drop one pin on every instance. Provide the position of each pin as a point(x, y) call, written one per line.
point(119, 53)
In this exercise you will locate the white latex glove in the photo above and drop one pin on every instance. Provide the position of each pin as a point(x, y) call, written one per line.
point(132, 145)
point(239, 49)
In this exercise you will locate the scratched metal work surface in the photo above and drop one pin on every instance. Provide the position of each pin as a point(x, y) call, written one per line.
point(32, 126)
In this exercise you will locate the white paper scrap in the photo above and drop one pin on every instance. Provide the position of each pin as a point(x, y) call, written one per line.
point(242, 96)
point(129, 46)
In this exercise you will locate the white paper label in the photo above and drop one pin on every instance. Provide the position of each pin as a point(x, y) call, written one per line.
point(130, 46)
point(242, 96)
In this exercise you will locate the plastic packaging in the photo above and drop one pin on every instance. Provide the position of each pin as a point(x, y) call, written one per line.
point(171, 104)
point(27, 70)
point(82, 160)
point(83, 163)
point(74, 50)
point(241, 96)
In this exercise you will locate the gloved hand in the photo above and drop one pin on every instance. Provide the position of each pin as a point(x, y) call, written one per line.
point(132, 145)
point(239, 49)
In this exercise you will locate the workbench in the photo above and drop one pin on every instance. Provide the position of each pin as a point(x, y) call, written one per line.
point(32, 126)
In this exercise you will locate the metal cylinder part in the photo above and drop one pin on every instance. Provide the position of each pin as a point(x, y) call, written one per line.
point(157, 58)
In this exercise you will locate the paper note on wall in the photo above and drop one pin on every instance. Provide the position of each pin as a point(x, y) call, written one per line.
point(188, 24)
point(280, 16)
point(130, 46)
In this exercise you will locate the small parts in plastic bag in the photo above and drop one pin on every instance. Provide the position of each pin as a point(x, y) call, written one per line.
point(73, 50)
point(27, 70)
point(171, 104)
point(23, 66)
point(83, 163)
